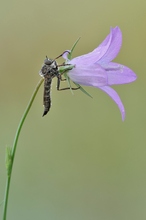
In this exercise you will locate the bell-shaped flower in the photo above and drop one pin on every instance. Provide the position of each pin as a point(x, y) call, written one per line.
point(97, 69)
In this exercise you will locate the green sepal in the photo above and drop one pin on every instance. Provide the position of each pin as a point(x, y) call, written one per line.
point(8, 161)
point(83, 90)
point(72, 49)
point(68, 81)
point(65, 68)
point(78, 85)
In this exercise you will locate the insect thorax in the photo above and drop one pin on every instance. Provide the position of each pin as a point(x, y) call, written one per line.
point(49, 69)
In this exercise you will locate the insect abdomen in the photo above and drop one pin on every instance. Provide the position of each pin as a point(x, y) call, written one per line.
point(47, 98)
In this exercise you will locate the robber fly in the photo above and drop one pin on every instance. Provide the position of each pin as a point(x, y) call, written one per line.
point(49, 70)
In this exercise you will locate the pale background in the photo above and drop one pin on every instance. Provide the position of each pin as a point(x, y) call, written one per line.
point(80, 161)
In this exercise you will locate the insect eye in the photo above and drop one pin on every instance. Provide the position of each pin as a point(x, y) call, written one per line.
point(47, 61)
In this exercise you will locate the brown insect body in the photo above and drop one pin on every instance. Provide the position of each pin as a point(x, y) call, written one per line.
point(49, 70)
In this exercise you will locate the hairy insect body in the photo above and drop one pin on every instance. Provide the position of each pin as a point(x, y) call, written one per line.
point(49, 70)
point(47, 97)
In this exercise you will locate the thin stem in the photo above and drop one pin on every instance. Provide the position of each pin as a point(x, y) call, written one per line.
point(13, 150)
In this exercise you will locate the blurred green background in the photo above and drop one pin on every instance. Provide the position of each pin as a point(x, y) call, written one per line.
point(80, 161)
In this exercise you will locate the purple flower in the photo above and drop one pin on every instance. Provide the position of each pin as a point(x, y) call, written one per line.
point(96, 69)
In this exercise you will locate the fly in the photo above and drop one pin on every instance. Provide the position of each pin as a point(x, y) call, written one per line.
point(49, 70)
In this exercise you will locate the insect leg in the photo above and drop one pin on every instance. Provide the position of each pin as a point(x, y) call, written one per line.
point(68, 88)
point(59, 78)
point(62, 54)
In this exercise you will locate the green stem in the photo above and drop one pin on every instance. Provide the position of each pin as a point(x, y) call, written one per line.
point(13, 150)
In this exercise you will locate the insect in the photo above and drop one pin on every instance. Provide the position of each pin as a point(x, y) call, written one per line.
point(49, 70)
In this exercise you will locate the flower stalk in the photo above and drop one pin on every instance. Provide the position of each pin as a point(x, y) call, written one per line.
point(10, 152)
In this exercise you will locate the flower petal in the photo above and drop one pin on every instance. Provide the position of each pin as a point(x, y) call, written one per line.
point(93, 75)
point(95, 55)
point(65, 54)
point(114, 95)
point(105, 52)
point(115, 46)
point(119, 74)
